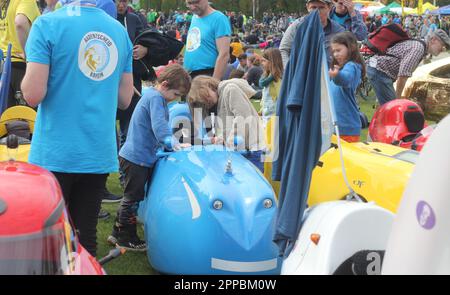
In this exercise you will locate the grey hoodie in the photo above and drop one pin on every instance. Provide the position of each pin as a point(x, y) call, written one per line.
point(235, 110)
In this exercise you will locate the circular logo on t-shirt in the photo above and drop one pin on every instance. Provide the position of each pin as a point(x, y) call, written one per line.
point(193, 39)
point(97, 56)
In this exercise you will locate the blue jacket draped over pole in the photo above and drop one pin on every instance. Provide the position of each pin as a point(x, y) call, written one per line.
point(299, 131)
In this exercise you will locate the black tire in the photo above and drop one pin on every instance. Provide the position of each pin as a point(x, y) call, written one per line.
point(364, 89)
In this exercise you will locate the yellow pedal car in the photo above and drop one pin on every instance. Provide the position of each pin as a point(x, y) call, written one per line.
point(377, 172)
point(17, 113)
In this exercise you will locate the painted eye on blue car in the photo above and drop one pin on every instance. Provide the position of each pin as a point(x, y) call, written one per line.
point(268, 203)
point(218, 204)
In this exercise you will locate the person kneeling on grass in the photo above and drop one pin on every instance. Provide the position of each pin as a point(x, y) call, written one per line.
point(149, 129)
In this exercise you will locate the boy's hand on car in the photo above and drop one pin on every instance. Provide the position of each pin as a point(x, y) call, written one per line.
point(180, 146)
point(216, 140)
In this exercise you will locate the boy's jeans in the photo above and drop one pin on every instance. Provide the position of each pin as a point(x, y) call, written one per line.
point(382, 84)
point(136, 177)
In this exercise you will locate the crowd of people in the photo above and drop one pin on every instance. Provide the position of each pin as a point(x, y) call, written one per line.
point(417, 26)
point(228, 59)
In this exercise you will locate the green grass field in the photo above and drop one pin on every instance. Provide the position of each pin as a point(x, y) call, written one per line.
point(131, 263)
point(136, 263)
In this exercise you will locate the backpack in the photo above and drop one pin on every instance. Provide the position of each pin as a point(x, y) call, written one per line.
point(384, 37)
point(161, 49)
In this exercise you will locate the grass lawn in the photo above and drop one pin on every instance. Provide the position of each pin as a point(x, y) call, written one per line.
point(136, 263)
point(131, 263)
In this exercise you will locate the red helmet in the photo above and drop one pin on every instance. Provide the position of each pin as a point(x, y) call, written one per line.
point(36, 236)
point(397, 122)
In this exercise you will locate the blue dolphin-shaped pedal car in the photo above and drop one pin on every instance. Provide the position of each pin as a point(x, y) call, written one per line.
point(208, 210)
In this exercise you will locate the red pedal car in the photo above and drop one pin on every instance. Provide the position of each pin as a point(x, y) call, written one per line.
point(400, 122)
point(36, 236)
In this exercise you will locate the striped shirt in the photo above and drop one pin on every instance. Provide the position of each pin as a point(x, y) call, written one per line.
point(400, 60)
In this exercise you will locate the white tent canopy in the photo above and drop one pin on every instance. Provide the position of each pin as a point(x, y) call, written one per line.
point(371, 9)
point(398, 10)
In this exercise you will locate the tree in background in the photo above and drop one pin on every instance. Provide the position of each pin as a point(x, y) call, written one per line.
point(413, 3)
point(245, 6)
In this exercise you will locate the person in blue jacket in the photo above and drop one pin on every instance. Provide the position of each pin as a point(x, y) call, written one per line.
point(149, 130)
point(345, 14)
point(346, 71)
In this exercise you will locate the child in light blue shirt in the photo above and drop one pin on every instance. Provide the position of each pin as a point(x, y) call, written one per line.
point(149, 130)
point(346, 72)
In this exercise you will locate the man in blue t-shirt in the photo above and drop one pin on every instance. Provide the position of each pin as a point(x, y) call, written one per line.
point(208, 41)
point(79, 71)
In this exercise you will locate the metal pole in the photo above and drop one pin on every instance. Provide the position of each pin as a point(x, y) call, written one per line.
point(257, 7)
point(254, 8)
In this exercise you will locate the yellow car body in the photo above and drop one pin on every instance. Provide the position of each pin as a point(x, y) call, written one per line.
point(12, 114)
point(20, 155)
point(377, 172)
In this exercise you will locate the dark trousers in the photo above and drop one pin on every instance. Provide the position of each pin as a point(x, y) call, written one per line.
point(17, 73)
point(136, 177)
point(83, 196)
point(123, 131)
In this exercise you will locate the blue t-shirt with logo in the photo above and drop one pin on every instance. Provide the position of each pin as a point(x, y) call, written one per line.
point(88, 51)
point(201, 51)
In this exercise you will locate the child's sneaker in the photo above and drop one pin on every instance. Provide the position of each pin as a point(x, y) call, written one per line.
point(120, 237)
point(132, 244)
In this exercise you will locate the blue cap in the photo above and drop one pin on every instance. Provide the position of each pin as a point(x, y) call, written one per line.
point(108, 6)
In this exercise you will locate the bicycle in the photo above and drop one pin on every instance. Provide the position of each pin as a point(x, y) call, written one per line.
point(365, 87)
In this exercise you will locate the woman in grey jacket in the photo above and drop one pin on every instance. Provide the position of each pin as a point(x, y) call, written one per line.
point(236, 116)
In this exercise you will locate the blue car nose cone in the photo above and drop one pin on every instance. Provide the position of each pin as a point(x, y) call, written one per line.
point(198, 221)
point(245, 220)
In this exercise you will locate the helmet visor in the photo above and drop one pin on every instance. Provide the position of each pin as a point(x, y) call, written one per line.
point(49, 252)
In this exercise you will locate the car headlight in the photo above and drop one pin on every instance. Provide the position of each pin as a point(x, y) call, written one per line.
point(218, 204)
point(268, 203)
